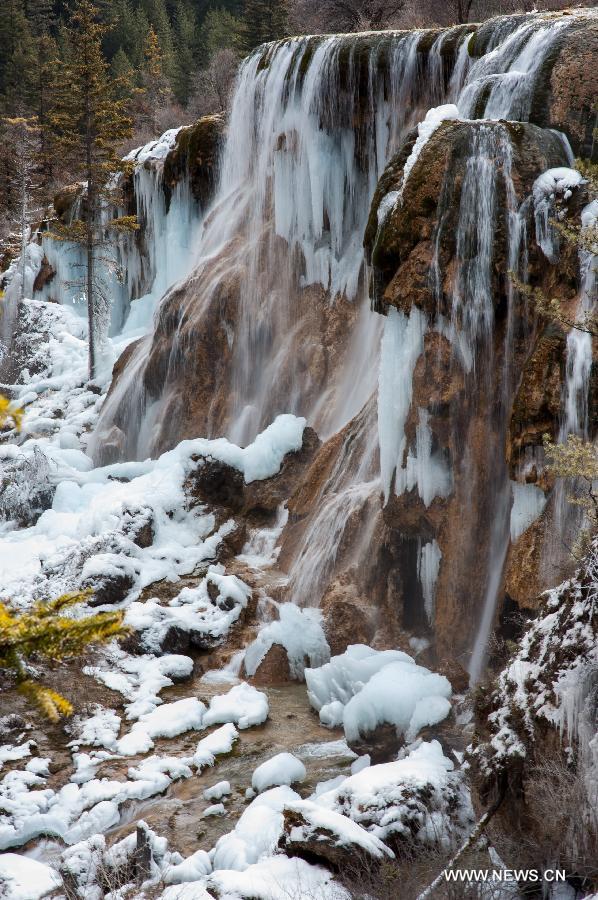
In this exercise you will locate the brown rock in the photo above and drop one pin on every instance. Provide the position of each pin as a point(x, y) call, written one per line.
point(274, 668)
point(44, 276)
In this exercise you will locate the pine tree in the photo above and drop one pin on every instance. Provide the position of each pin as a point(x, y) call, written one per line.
point(45, 633)
point(221, 31)
point(155, 89)
point(184, 36)
point(88, 122)
point(265, 20)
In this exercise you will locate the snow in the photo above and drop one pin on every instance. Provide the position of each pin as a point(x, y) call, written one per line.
point(433, 120)
point(218, 742)
point(257, 832)
point(277, 878)
point(552, 187)
point(140, 678)
point(244, 705)
point(217, 791)
point(154, 151)
point(284, 768)
point(418, 795)
point(23, 878)
point(365, 688)
point(343, 831)
point(192, 610)
point(191, 869)
point(168, 721)
point(301, 634)
point(217, 809)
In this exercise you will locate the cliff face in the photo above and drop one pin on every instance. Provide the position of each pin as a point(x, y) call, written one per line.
point(268, 309)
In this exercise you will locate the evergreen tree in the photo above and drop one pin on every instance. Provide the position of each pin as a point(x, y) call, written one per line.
point(155, 89)
point(45, 633)
point(222, 31)
point(265, 20)
point(88, 122)
point(184, 51)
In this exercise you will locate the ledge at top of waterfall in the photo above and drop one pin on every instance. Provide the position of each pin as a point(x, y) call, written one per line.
point(93, 530)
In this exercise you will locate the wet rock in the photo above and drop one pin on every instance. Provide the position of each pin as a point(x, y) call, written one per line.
point(345, 620)
point(274, 668)
point(44, 276)
point(572, 88)
point(10, 726)
point(196, 154)
point(111, 444)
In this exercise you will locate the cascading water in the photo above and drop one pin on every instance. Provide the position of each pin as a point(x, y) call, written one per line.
point(313, 124)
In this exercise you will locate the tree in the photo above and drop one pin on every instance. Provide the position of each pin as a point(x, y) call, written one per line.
point(184, 39)
point(155, 89)
point(88, 123)
point(214, 84)
point(221, 31)
point(264, 20)
point(45, 633)
point(22, 137)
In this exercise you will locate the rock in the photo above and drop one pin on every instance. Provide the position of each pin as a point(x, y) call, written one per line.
point(572, 88)
point(345, 620)
point(111, 445)
point(274, 668)
point(108, 589)
point(10, 725)
point(196, 154)
point(218, 484)
point(44, 276)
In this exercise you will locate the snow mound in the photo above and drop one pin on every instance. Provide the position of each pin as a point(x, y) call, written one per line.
point(257, 832)
point(551, 189)
point(167, 721)
point(301, 634)
point(364, 688)
point(244, 705)
point(216, 743)
point(217, 791)
point(23, 878)
point(277, 878)
point(284, 768)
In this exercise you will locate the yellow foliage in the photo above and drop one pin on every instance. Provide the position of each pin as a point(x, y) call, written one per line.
point(10, 413)
point(45, 632)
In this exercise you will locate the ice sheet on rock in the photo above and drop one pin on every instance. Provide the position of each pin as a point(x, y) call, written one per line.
point(219, 741)
point(301, 634)
point(23, 878)
point(257, 832)
point(528, 503)
point(364, 688)
point(277, 878)
point(168, 720)
point(284, 768)
point(419, 795)
point(243, 705)
point(156, 150)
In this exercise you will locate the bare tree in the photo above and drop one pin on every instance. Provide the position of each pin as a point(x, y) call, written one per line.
point(214, 84)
